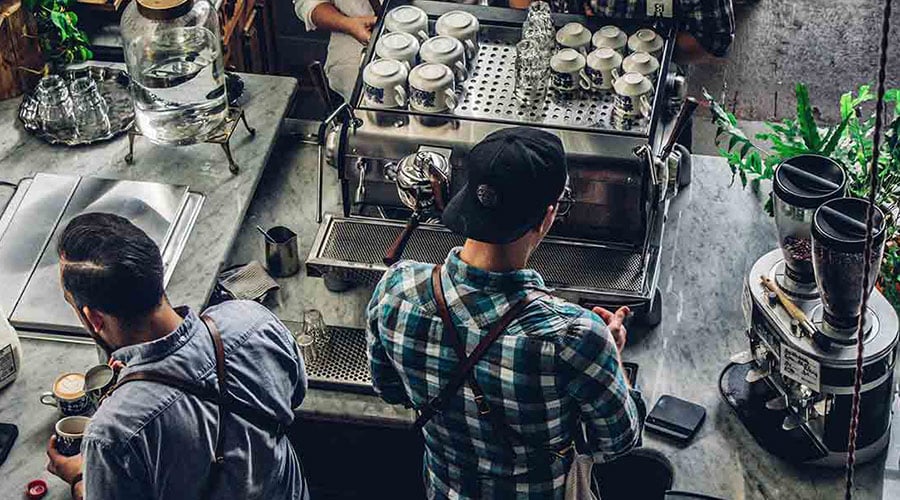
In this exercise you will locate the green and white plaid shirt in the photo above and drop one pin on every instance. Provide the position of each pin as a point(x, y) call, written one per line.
point(711, 22)
point(554, 366)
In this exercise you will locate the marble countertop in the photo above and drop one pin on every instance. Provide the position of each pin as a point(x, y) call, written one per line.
point(204, 168)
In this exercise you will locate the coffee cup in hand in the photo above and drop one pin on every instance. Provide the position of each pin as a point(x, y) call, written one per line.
point(69, 434)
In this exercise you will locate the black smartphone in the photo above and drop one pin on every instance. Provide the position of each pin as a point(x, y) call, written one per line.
point(8, 435)
point(675, 418)
point(631, 371)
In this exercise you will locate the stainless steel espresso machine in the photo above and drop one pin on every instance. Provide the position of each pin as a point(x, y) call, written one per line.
point(793, 389)
point(606, 251)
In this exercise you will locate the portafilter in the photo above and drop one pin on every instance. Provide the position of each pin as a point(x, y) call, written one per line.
point(423, 182)
point(838, 247)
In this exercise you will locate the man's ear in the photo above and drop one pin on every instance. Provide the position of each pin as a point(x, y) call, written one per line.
point(549, 217)
point(94, 317)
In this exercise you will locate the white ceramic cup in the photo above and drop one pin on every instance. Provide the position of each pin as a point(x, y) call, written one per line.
point(646, 40)
point(400, 46)
point(574, 36)
point(633, 91)
point(602, 68)
point(567, 71)
point(612, 37)
point(643, 63)
point(408, 19)
point(69, 434)
point(384, 83)
point(432, 88)
point(448, 51)
point(464, 27)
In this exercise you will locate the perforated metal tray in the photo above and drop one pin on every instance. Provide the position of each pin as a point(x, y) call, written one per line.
point(341, 361)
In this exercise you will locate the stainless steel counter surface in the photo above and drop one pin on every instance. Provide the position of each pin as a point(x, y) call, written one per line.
point(715, 232)
point(204, 168)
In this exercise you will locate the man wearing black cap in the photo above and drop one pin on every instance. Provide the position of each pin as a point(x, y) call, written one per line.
point(539, 365)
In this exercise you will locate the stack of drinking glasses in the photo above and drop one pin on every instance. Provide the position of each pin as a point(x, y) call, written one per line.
point(533, 54)
point(74, 109)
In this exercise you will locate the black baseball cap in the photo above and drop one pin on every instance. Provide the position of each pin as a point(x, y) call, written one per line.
point(513, 175)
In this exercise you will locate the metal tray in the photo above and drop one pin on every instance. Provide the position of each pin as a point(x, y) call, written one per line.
point(113, 85)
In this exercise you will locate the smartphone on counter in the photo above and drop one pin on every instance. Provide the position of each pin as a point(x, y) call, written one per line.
point(8, 435)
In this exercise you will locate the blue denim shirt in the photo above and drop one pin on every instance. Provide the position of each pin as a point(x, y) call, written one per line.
point(149, 441)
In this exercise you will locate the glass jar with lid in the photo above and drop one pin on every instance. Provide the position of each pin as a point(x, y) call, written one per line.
point(173, 51)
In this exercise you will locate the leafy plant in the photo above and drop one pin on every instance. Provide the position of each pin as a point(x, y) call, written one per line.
point(59, 36)
point(850, 142)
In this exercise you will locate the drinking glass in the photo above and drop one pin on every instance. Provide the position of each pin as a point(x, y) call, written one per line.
point(55, 105)
point(539, 26)
point(313, 336)
point(90, 108)
point(532, 72)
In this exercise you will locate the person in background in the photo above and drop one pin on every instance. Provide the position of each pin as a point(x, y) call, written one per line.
point(706, 27)
point(152, 440)
point(554, 367)
point(350, 23)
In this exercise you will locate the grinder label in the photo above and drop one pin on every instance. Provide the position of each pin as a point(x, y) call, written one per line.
point(660, 8)
point(800, 367)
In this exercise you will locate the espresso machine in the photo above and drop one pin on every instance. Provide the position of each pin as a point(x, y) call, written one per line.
point(605, 252)
point(793, 388)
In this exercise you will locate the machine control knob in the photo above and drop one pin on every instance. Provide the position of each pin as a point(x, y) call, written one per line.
point(773, 298)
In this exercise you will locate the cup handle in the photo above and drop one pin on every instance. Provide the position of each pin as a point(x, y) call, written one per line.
point(451, 100)
point(644, 104)
point(422, 36)
point(471, 49)
point(584, 80)
point(401, 96)
point(406, 64)
point(615, 75)
point(49, 402)
point(462, 72)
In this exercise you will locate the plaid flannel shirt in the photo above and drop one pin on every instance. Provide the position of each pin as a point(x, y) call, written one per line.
point(711, 22)
point(554, 366)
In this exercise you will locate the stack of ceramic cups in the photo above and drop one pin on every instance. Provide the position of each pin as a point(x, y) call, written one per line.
point(417, 70)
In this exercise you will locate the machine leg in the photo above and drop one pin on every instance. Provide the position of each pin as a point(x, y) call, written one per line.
point(129, 158)
point(250, 129)
point(686, 167)
point(654, 315)
point(232, 166)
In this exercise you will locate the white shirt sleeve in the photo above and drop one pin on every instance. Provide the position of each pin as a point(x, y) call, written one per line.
point(304, 10)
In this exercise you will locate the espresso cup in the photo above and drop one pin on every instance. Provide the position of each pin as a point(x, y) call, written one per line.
point(408, 19)
point(462, 26)
point(612, 37)
point(633, 91)
point(384, 83)
point(574, 36)
point(97, 381)
point(447, 51)
point(69, 434)
point(431, 88)
point(643, 63)
point(646, 40)
point(400, 46)
point(68, 395)
point(567, 71)
point(602, 68)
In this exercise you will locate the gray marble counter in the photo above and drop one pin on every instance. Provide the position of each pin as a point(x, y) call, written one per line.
point(203, 167)
point(715, 232)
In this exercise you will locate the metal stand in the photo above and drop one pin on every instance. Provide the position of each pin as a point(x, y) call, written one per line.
point(220, 136)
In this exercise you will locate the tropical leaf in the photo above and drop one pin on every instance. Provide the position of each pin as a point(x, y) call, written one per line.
point(808, 128)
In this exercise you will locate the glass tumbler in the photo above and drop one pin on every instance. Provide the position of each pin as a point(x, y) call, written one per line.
point(539, 26)
point(55, 105)
point(313, 336)
point(90, 108)
point(532, 72)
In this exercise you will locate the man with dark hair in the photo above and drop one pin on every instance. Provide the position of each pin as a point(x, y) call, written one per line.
point(210, 396)
point(548, 366)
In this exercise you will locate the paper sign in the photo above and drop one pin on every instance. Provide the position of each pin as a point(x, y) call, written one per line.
point(800, 367)
point(660, 8)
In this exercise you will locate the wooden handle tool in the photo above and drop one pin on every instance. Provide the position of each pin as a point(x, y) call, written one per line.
point(789, 306)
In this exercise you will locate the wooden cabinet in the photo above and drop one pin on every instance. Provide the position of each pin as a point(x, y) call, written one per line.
point(247, 35)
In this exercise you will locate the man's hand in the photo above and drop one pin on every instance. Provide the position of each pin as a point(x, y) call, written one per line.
point(66, 468)
point(359, 28)
point(615, 324)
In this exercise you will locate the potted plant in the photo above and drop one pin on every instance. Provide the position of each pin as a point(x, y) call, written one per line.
point(58, 34)
point(849, 142)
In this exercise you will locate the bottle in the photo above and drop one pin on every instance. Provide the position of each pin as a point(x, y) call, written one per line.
point(173, 51)
point(10, 352)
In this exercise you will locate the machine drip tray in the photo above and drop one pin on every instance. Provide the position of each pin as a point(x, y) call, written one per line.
point(341, 361)
point(749, 403)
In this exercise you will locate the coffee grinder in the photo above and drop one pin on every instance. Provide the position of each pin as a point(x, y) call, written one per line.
point(793, 389)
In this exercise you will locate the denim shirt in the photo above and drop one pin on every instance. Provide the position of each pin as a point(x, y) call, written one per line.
point(150, 441)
